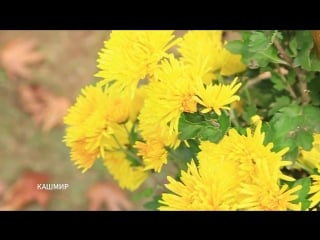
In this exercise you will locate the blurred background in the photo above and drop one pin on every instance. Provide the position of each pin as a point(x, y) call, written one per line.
point(41, 73)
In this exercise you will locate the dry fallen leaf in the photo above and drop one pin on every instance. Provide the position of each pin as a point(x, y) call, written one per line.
point(28, 98)
point(17, 56)
point(25, 191)
point(46, 109)
point(3, 187)
point(110, 195)
point(52, 114)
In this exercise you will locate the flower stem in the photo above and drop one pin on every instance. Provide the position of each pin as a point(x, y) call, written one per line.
point(301, 75)
point(127, 151)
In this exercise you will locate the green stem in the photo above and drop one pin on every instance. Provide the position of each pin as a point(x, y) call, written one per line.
point(301, 74)
point(175, 158)
point(246, 91)
point(127, 130)
point(233, 118)
point(126, 151)
point(285, 81)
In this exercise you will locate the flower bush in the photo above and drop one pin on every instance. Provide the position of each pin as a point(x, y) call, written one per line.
point(225, 124)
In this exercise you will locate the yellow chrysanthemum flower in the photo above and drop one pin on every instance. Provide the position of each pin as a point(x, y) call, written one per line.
point(236, 161)
point(311, 159)
point(171, 94)
point(204, 52)
point(93, 121)
point(153, 153)
point(231, 63)
point(120, 168)
point(216, 97)
point(137, 103)
point(130, 56)
point(315, 190)
point(254, 158)
point(269, 198)
point(204, 189)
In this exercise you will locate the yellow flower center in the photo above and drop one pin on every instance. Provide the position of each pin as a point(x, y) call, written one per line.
point(119, 111)
point(189, 105)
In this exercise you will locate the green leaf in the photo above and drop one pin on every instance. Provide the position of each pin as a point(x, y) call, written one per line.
point(277, 81)
point(133, 158)
point(235, 46)
point(193, 117)
point(183, 154)
point(280, 102)
point(306, 58)
point(256, 48)
point(211, 129)
point(311, 116)
point(291, 77)
point(188, 129)
point(303, 192)
point(293, 126)
point(214, 131)
point(259, 42)
point(133, 135)
point(293, 45)
point(271, 54)
point(193, 146)
point(305, 139)
point(224, 122)
point(148, 192)
point(314, 87)
point(249, 111)
point(154, 204)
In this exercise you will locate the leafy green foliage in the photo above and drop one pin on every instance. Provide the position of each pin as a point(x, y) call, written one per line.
point(203, 127)
point(145, 193)
point(256, 49)
point(293, 126)
point(306, 58)
point(153, 204)
point(303, 192)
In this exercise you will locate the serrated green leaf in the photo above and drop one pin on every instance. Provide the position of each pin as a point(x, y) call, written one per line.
point(224, 122)
point(187, 128)
point(293, 127)
point(272, 55)
point(189, 131)
point(193, 146)
point(210, 133)
point(293, 154)
point(235, 46)
point(303, 192)
point(256, 49)
point(249, 111)
point(311, 116)
point(291, 77)
point(193, 118)
point(259, 42)
point(293, 45)
point(279, 103)
point(305, 139)
point(214, 131)
point(277, 81)
point(305, 57)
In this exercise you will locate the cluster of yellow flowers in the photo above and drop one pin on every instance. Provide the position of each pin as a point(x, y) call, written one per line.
point(130, 118)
